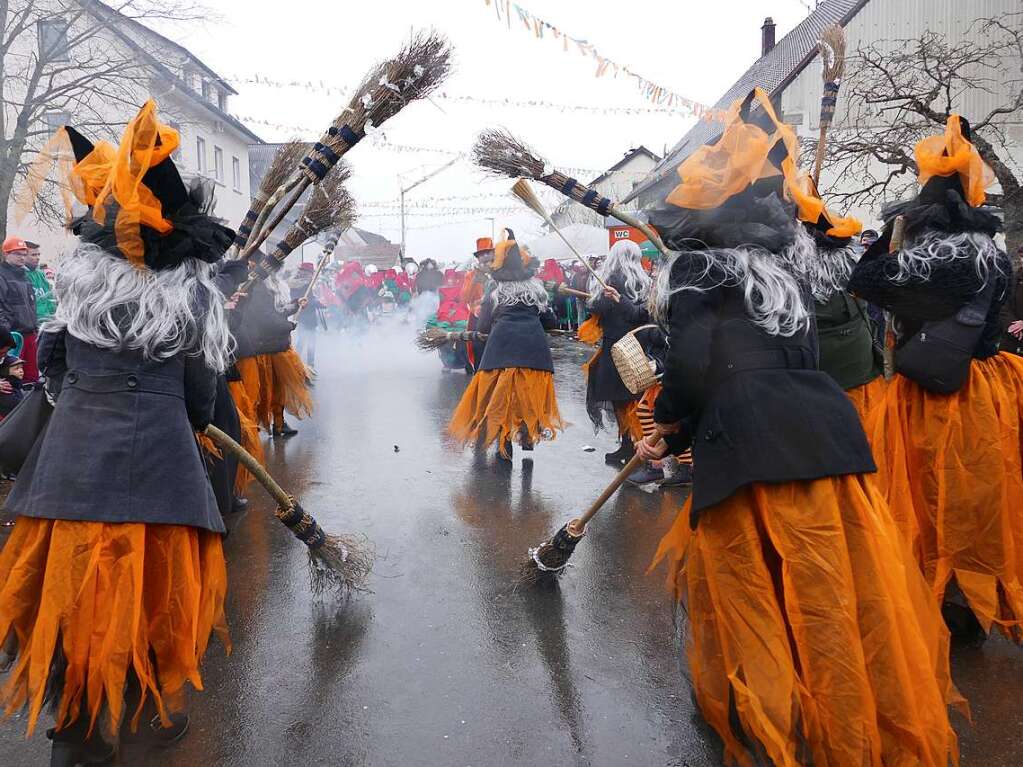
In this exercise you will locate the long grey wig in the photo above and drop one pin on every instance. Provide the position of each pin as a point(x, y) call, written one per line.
point(825, 270)
point(105, 301)
point(625, 260)
point(773, 295)
point(530, 292)
point(918, 256)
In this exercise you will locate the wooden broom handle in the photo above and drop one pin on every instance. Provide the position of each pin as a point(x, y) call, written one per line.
point(255, 468)
point(576, 252)
point(316, 276)
point(578, 526)
point(649, 231)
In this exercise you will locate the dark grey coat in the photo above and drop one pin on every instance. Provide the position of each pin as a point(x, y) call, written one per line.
point(516, 336)
point(120, 445)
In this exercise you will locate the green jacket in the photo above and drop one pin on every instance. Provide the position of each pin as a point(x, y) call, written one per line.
point(46, 304)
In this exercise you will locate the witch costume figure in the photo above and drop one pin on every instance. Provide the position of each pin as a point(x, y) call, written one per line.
point(272, 374)
point(953, 414)
point(113, 579)
point(511, 398)
point(844, 329)
point(812, 639)
point(616, 312)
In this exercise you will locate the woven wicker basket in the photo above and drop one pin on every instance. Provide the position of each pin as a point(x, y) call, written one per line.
point(638, 371)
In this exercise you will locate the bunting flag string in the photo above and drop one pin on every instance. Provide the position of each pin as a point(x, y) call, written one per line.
point(321, 88)
point(650, 90)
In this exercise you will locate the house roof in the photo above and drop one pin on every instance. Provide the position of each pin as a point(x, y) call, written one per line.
point(629, 156)
point(118, 23)
point(773, 72)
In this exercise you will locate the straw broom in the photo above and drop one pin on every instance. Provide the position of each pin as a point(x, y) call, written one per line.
point(548, 560)
point(432, 339)
point(330, 208)
point(420, 66)
point(500, 152)
point(832, 50)
point(525, 192)
point(328, 251)
point(338, 563)
point(281, 167)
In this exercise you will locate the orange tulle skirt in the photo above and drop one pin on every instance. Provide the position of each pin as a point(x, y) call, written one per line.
point(868, 397)
point(106, 597)
point(953, 476)
point(810, 622)
point(590, 331)
point(501, 405)
point(250, 432)
point(275, 383)
point(629, 425)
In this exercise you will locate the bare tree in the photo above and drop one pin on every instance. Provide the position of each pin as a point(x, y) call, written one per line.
point(80, 59)
point(899, 91)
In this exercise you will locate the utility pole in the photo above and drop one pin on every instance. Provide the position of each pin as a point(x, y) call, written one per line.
point(409, 188)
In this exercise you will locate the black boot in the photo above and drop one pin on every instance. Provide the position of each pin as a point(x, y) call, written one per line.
point(71, 747)
point(239, 504)
point(284, 430)
point(168, 736)
point(623, 454)
point(507, 453)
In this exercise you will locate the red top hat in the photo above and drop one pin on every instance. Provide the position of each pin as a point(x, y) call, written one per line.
point(483, 244)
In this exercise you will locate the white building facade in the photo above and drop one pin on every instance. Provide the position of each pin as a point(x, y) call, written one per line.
point(191, 98)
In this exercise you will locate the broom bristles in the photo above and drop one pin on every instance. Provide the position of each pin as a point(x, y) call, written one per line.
point(498, 151)
point(432, 339)
point(524, 192)
point(832, 50)
point(341, 565)
point(281, 166)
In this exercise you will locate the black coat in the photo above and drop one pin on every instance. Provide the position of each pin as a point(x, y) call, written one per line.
point(753, 406)
point(616, 319)
point(949, 287)
point(429, 280)
point(258, 327)
point(120, 445)
point(516, 337)
point(17, 300)
point(223, 470)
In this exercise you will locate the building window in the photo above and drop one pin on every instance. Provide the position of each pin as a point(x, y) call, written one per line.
point(218, 164)
point(206, 89)
point(222, 101)
point(236, 174)
point(56, 120)
point(200, 154)
point(53, 45)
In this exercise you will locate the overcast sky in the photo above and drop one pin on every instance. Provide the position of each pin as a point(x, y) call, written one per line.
point(694, 47)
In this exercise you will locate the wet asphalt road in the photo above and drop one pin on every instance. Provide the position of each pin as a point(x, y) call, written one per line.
point(447, 661)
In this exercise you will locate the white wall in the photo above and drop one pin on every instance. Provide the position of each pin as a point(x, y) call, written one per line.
point(892, 20)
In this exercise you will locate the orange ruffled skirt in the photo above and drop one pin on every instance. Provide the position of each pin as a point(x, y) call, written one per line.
point(629, 425)
point(275, 383)
point(812, 628)
point(953, 476)
point(502, 405)
point(250, 432)
point(868, 397)
point(106, 597)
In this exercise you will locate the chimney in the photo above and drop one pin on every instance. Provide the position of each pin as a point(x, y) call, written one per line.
point(767, 38)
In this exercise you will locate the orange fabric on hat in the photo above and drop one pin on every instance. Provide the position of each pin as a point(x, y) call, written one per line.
point(807, 614)
point(117, 172)
point(714, 173)
point(951, 472)
point(952, 153)
point(113, 596)
point(499, 404)
point(810, 207)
